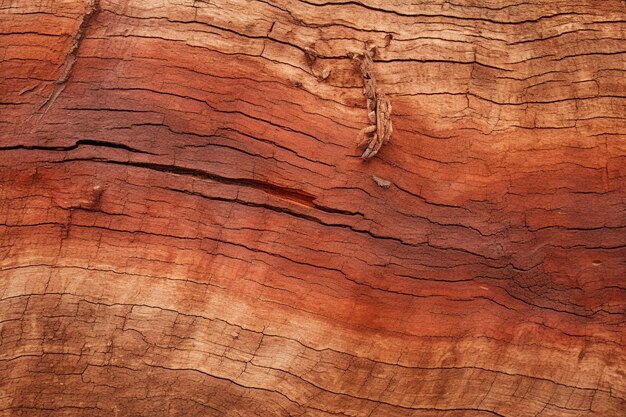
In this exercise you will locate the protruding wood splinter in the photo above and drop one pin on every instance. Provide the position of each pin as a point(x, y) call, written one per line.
point(374, 136)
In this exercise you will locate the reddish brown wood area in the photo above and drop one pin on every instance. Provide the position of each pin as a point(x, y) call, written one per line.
point(187, 228)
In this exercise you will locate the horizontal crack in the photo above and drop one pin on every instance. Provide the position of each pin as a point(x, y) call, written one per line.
point(77, 144)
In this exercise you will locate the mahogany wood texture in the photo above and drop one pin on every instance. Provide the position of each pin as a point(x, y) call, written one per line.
point(187, 228)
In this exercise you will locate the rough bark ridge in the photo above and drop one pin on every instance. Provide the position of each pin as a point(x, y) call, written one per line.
point(188, 229)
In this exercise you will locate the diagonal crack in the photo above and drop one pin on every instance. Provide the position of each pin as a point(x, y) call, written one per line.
point(93, 8)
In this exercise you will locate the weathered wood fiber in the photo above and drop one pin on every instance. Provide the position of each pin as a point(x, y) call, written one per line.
point(187, 228)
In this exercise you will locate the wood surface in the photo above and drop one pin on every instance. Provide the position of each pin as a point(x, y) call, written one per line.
point(187, 227)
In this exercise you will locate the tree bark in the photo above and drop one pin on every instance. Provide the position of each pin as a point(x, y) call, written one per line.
point(188, 229)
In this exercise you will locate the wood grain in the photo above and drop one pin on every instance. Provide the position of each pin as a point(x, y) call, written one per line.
point(187, 228)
